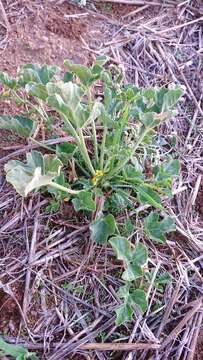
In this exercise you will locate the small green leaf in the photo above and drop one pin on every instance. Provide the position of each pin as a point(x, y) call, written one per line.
point(132, 272)
point(123, 314)
point(166, 171)
point(8, 81)
point(102, 228)
point(84, 201)
point(81, 71)
point(140, 254)
point(171, 98)
point(122, 247)
point(138, 297)
point(23, 126)
point(39, 171)
point(37, 90)
point(65, 151)
point(37, 73)
point(149, 196)
point(156, 229)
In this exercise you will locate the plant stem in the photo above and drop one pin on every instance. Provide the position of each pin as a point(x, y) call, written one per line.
point(103, 148)
point(124, 162)
point(42, 145)
point(84, 152)
point(94, 138)
point(63, 188)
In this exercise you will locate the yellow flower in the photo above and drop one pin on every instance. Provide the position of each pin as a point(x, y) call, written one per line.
point(98, 174)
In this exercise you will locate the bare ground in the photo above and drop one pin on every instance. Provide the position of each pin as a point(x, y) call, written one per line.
point(58, 291)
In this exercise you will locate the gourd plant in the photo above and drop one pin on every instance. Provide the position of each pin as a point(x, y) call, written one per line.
point(113, 128)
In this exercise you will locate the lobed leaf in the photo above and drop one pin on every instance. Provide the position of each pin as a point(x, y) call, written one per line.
point(84, 201)
point(122, 247)
point(23, 126)
point(156, 229)
point(39, 171)
point(102, 228)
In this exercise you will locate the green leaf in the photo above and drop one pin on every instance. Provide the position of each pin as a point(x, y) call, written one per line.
point(71, 93)
point(171, 98)
point(65, 151)
point(16, 351)
point(150, 119)
point(156, 229)
point(37, 73)
point(123, 314)
point(122, 247)
point(81, 71)
point(132, 272)
point(102, 228)
point(37, 90)
point(84, 201)
point(140, 254)
point(39, 171)
point(23, 126)
point(138, 297)
point(148, 196)
point(166, 171)
point(8, 81)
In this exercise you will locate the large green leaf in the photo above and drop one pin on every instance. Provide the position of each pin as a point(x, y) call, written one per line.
point(156, 229)
point(71, 93)
point(102, 228)
point(23, 126)
point(123, 314)
point(39, 171)
point(148, 196)
point(84, 201)
point(16, 351)
point(122, 247)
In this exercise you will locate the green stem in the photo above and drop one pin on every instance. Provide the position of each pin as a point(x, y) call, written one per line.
point(103, 148)
point(84, 152)
point(63, 188)
point(95, 144)
point(124, 162)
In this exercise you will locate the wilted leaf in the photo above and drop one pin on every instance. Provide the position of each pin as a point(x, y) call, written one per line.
point(23, 126)
point(102, 228)
point(84, 201)
point(156, 229)
point(82, 72)
point(149, 196)
point(39, 171)
point(138, 297)
point(123, 313)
